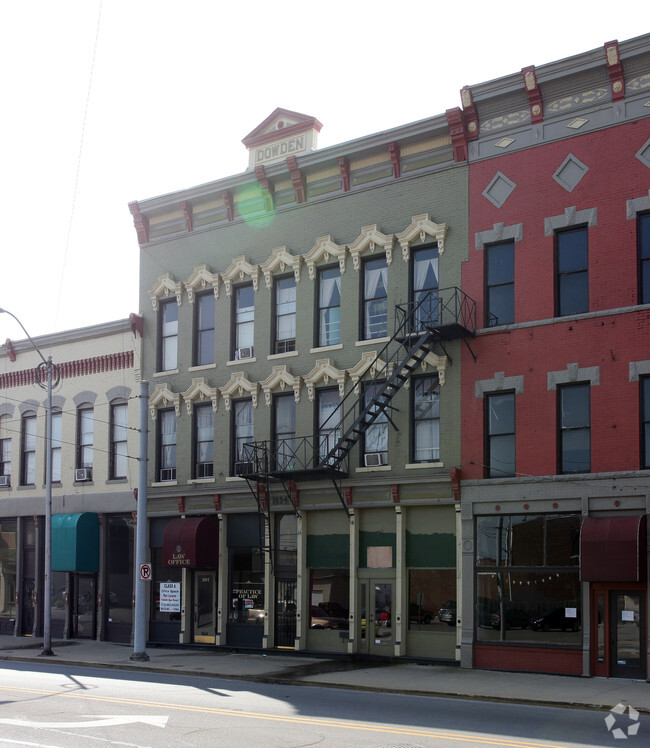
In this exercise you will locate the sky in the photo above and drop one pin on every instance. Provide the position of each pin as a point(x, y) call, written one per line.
point(110, 101)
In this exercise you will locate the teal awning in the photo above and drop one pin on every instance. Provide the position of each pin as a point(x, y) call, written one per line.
point(75, 542)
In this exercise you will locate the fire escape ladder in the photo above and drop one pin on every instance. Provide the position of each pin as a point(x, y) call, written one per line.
point(261, 492)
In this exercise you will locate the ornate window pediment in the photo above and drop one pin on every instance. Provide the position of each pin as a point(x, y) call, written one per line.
point(281, 258)
point(201, 279)
point(201, 391)
point(280, 378)
point(439, 363)
point(165, 285)
point(162, 396)
point(238, 386)
point(324, 371)
point(323, 250)
point(368, 240)
point(238, 270)
point(368, 362)
point(422, 227)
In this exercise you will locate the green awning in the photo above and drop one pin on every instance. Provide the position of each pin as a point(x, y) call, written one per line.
point(75, 542)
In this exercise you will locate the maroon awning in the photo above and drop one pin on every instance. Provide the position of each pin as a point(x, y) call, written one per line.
point(192, 542)
point(613, 549)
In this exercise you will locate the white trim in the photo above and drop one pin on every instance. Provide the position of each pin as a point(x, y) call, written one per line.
point(417, 465)
point(373, 341)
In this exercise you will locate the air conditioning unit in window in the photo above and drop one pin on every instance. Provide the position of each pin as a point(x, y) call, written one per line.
point(375, 459)
point(5, 480)
point(246, 352)
point(167, 474)
point(243, 468)
point(82, 474)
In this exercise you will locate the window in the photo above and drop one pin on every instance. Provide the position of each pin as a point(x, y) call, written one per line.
point(329, 599)
point(572, 283)
point(375, 299)
point(329, 421)
point(284, 431)
point(28, 466)
point(500, 441)
point(426, 419)
point(645, 422)
point(55, 445)
point(425, 287)
point(643, 240)
point(429, 591)
point(285, 315)
point(5, 451)
point(243, 432)
point(376, 436)
point(168, 335)
point(85, 431)
point(500, 284)
point(203, 441)
point(575, 430)
point(204, 321)
point(118, 444)
point(329, 306)
point(244, 322)
point(166, 445)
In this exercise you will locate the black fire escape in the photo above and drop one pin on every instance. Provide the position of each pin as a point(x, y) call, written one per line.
point(421, 327)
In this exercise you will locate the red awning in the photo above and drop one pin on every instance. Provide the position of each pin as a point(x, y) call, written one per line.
point(192, 542)
point(612, 549)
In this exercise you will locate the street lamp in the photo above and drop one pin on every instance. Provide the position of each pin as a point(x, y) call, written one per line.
point(46, 369)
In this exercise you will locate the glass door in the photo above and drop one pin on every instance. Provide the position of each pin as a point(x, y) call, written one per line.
point(376, 599)
point(84, 608)
point(205, 599)
point(627, 634)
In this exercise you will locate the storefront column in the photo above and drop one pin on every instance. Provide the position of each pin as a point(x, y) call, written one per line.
point(354, 621)
point(185, 636)
point(400, 621)
point(269, 588)
point(101, 576)
point(465, 591)
point(303, 600)
point(222, 583)
point(459, 579)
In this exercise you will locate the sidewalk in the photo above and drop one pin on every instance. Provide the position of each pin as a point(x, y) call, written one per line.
point(407, 678)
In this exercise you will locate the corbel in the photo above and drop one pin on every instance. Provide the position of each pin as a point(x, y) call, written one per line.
point(266, 187)
point(10, 350)
point(297, 179)
point(137, 323)
point(181, 504)
point(348, 495)
point(186, 207)
point(470, 115)
point(615, 70)
point(135, 518)
point(227, 199)
point(344, 166)
point(457, 133)
point(455, 474)
point(216, 500)
point(141, 223)
point(393, 149)
point(394, 492)
point(264, 499)
point(135, 495)
point(534, 94)
point(293, 493)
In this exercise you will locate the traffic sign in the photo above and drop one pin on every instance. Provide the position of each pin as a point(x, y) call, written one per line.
point(145, 572)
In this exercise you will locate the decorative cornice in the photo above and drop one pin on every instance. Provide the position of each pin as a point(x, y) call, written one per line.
point(140, 222)
point(470, 116)
point(186, 207)
point(238, 386)
point(239, 268)
point(201, 278)
point(534, 94)
point(163, 396)
point(266, 187)
point(163, 287)
point(394, 152)
point(279, 259)
point(344, 166)
point(421, 227)
point(615, 70)
point(199, 390)
point(228, 202)
point(280, 378)
point(297, 179)
point(368, 362)
point(324, 370)
point(368, 239)
point(322, 250)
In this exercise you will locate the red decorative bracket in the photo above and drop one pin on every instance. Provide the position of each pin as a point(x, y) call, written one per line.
point(264, 499)
point(186, 207)
point(137, 323)
point(10, 350)
point(293, 493)
point(457, 133)
point(470, 115)
point(181, 504)
point(393, 149)
point(141, 223)
point(394, 492)
point(344, 165)
point(227, 198)
point(615, 70)
point(216, 500)
point(266, 186)
point(455, 474)
point(297, 179)
point(534, 94)
point(135, 517)
point(135, 495)
point(348, 495)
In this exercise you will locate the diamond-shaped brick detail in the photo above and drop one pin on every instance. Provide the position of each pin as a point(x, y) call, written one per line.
point(644, 154)
point(570, 173)
point(499, 189)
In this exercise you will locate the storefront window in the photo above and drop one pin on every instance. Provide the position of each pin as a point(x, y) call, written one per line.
point(329, 599)
point(430, 591)
point(531, 593)
point(246, 586)
point(59, 595)
point(7, 574)
point(119, 579)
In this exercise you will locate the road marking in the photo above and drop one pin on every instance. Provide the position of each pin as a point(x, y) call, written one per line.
point(106, 721)
point(313, 721)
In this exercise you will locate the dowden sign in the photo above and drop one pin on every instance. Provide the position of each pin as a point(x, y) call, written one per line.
point(281, 149)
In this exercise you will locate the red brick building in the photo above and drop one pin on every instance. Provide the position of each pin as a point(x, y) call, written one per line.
point(556, 385)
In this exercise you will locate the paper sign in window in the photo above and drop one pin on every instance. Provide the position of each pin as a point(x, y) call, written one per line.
point(380, 557)
point(627, 615)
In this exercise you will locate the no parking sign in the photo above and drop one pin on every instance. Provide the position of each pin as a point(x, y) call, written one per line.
point(145, 572)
